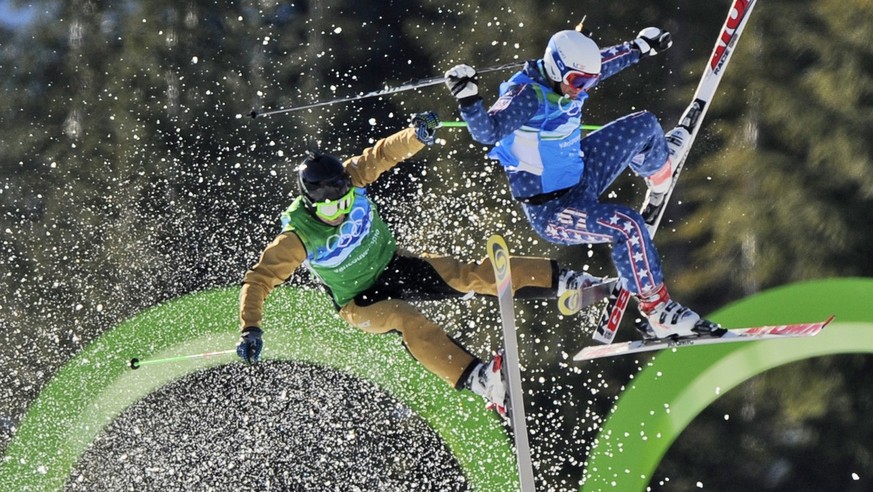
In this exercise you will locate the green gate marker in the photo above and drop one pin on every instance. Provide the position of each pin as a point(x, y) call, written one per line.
point(97, 385)
point(664, 398)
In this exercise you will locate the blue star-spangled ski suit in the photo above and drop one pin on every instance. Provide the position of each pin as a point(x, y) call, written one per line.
point(558, 176)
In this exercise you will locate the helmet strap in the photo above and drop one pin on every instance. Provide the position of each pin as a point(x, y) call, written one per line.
point(556, 86)
point(308, 205)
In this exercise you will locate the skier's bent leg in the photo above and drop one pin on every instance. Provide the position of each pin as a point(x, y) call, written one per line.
point(635, 141)
point(646, 132)
point(677, 141)
point(633, 252)
point(425, 340)
point(644, 147)
point(532, 277)
point(430, 345)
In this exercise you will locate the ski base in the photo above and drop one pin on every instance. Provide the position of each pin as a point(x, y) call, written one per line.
point(498, 253)
point(573, 301)
point(774, 332)
point(612, 313)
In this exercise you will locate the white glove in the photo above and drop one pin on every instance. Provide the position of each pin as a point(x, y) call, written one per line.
point(461, 80)
point(653, 40)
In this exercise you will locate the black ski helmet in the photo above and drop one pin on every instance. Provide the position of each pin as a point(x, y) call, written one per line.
point(323, 177)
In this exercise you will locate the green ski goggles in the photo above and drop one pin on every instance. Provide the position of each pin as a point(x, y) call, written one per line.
point(333, 209)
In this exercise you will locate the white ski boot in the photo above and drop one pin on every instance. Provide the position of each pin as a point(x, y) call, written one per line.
point(570, 280)
point(678, 140)
point(645, 329)
point(488, 381)
point(571, 297)
point(666, 317)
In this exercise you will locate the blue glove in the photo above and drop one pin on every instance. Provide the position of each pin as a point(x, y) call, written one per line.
point(425, 125)
point(250, 344)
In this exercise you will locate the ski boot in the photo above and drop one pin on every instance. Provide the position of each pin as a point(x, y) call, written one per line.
point(645, 329)
point(573, 292)
point(489, 381)
point(569, 280)
point(678, 141)
point(667, 318)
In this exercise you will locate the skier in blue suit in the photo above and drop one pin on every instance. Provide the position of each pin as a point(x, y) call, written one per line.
point(558, 176)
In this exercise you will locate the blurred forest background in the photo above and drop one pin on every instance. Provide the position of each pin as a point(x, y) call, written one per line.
point(130, 175)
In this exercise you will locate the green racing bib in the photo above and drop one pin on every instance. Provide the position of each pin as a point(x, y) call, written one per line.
point(349, 257)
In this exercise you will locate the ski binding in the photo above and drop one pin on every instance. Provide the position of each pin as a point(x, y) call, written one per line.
point(573, 301)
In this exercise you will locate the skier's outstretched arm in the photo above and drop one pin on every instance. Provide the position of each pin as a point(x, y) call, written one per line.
point(389, 151)
point(616, 58)
point(278, 262)
point(649, 42)
point(516, 106)
point(276, 265)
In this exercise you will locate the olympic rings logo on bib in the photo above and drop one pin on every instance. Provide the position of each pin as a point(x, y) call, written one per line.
point(349, 235)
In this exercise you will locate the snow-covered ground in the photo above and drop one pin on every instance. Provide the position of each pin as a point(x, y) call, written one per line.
point(274, 426)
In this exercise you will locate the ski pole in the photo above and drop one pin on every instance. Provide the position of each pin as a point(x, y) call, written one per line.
point(415, 84)
point(459, 124)
point(136, 363)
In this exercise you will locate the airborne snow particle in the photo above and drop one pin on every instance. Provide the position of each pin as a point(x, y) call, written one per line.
point(358, 435)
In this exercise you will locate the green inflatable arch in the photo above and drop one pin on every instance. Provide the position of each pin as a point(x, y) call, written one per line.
point(96, 386)
point(665, 397)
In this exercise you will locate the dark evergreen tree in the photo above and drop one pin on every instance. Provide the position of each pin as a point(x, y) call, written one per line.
point(131, 174)
point(776, 189)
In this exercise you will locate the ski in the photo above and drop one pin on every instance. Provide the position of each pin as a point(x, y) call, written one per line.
point(573, 301)
point(775, 332)
point(498, 253)
point(692, 118)
point(612, 314)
